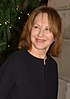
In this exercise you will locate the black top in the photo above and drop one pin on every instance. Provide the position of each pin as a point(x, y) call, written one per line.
point(24, 76)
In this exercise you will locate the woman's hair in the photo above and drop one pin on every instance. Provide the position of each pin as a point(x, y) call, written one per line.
point(55, 24)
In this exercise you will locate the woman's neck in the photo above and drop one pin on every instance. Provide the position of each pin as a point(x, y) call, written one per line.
point(38, 53)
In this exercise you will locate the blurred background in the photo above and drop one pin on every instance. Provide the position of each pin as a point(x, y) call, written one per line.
point(13, 15)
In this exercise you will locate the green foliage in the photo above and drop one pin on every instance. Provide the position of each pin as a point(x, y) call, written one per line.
point(8, 13)
point(33, 3)
point(13, 15)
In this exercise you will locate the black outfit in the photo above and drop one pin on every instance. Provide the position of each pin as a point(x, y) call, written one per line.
point(24, 76)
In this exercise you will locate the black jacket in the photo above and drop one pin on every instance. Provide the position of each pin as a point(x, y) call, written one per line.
point(24, 76)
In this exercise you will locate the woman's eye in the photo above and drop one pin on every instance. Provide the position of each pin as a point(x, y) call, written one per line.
point(36, 27)
point(46, 29)
point(49, 30)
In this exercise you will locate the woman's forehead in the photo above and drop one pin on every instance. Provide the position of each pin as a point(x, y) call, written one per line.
point(41, 18)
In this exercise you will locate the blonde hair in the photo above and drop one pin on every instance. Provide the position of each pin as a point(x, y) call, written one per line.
point(55, 23)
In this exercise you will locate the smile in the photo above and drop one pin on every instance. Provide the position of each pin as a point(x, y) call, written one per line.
point(40, 40)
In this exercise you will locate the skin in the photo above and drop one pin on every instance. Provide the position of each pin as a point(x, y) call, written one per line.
point(41, 36)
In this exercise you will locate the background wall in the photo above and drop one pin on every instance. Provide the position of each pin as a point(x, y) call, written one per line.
point(63, 8)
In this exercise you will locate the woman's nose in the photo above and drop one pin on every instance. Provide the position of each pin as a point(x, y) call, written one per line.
point(40, 33)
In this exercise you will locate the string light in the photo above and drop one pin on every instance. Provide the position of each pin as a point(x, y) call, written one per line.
point(0, 24)
point(5, 23)
point(28, 14)
point(8, 45)
point(10, 27)
point(17, 8)
point(19, 18)
point(21, 12)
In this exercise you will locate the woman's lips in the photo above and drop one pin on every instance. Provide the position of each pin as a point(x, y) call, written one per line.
point(40, 40)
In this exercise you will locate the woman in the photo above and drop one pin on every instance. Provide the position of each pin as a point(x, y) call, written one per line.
point(31, 72)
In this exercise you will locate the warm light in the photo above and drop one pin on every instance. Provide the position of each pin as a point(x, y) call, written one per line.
point(8, 45)
point(0, 24)
point(20, 12)
point(10, 27)
point(27, 13)
point(6, 23)
point(17, 8)
point(19, 18)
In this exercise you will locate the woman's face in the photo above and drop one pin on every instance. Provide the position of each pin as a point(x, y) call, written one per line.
point(41, 33)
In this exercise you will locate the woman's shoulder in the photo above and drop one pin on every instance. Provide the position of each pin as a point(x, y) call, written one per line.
point(52, 60)
point(16, 55)
point(14, 58)
point(52, 65)
point(17, 52)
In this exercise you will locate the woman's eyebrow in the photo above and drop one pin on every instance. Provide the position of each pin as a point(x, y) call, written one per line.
point(47, 26)
point(36, 24)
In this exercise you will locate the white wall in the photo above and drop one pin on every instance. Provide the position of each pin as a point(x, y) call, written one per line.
point(63, 8)
point(64, 89)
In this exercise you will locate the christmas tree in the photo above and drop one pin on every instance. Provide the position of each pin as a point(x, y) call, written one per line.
point(13, 15)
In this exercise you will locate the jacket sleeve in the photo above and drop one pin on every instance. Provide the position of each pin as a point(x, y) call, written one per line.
point(7, 79)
